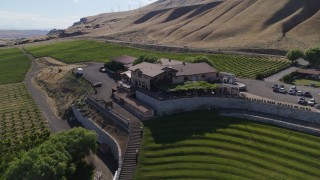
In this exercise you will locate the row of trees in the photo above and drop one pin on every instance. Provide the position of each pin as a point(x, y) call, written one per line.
point(60, 157)
point(312, 55)
point(153, 59)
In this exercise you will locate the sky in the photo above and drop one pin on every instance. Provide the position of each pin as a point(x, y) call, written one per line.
point(59, 14)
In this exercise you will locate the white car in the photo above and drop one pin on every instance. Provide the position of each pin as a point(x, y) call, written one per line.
point(299, 93)
point(292, 92)
point(312, 102)
point(294, 88)
point(282, 90)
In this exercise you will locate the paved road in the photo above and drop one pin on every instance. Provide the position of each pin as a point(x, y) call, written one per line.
point(41, 99)
point(263, 89)
point(55, 123)
point(276, 77)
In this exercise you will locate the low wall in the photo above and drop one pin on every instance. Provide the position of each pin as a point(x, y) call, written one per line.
point(275, 122)
point(110, 114)
point(103, 137)
point(167, 107)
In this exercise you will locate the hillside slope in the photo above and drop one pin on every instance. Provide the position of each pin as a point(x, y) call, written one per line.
point(231, 24)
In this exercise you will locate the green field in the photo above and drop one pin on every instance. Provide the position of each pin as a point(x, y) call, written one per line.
point(13, 66)
point(203, 145)
point(84, 51)
point(19, 115)
point(306, 82)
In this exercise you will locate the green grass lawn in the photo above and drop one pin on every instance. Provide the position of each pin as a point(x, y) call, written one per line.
point(306, 82)
point(203, 145)
point(84, 51)
point(13, 66)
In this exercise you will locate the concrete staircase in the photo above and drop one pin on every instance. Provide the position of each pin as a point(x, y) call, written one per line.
point(132, 151)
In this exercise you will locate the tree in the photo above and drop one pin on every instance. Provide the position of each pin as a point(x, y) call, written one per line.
point(313, 56)
point(56, 158)
point(114, 66)
point(204, 59)
point(295, 54)
point(146, 58)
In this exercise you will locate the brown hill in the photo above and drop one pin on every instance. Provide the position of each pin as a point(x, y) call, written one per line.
point(270, 24)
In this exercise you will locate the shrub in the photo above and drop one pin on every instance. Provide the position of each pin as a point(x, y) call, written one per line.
point(200, 59)
point(259, 76)
point(114, 66)
point(146, 58)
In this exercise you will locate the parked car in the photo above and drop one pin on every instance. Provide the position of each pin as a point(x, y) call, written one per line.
point(301, 100)
point(299, 93)
point(307, 94)
point(317, 106)
point(102, 69)
point(98, 84)
point(294, 88)
point(292, 92)
point(275, 86)
point(282, 90)
point(312, 102)
point(281, 86)
point(276, 89)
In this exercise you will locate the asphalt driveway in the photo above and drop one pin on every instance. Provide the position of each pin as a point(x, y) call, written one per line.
point(92, 74)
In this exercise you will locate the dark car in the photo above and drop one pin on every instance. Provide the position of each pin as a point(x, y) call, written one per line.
point(276, 89)
point(301, 100)
point(307, 94)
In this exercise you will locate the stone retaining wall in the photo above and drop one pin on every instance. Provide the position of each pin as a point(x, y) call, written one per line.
point(103, 137)
point(173, 106)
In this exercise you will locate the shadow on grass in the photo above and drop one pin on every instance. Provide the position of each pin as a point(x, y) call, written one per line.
point(182, 126)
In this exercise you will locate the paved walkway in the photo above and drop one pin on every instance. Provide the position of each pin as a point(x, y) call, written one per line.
point(276, 77)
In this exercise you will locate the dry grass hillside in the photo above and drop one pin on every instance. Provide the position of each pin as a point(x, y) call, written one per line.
point(269, 24)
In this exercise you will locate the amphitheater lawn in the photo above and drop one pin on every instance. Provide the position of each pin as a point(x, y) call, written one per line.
point(13, 66)
point(84, 51)
point(203, 145)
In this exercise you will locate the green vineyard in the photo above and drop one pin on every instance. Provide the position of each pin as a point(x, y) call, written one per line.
point(85, 51)
point(19, 115)
point(13, 66)
point(203, 145)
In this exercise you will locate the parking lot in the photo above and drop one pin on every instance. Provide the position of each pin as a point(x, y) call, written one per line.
point(264, 89)
point(92, 74)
